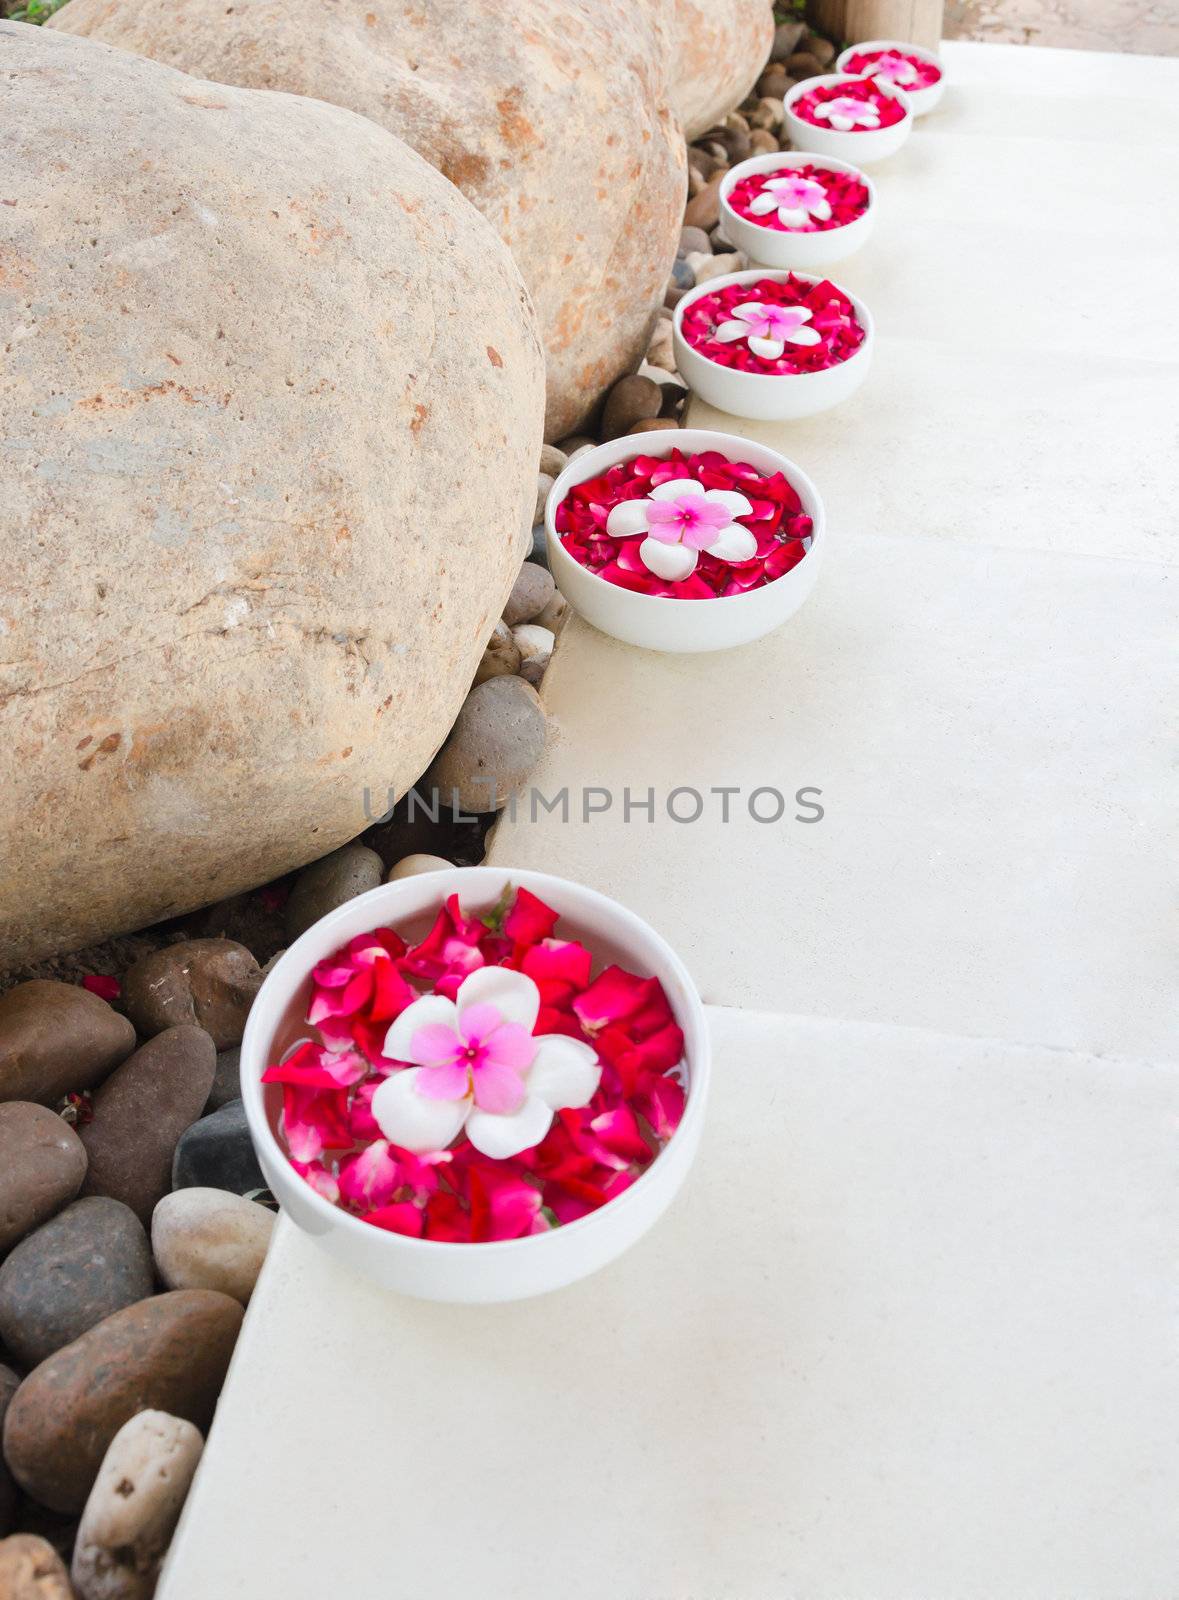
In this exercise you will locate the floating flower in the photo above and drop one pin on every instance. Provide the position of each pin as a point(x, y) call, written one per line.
point(768, 329)
point(895, 66)
point(795, 199)
point(680, 518)
point(845, 194)
point(479, 1068)
point(845, 198)
point(855, 105)
point(552, 1089)
point(846, 113)
point(775, 518)
point(727, 325)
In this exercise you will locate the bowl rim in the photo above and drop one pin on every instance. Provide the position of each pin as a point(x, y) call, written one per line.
point(798, 479)
point(789, 158)
point(805, 85)
point(749, 275)
point(922, 51)
point(293, 961)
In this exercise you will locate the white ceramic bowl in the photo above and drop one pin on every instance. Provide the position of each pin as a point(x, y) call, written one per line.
point(500, 1270)
point(655, 621)
point(777, 248)
point(922, 100)
point(769, 396)
point(863, 146)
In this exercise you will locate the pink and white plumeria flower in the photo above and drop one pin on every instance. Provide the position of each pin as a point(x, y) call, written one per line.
point(768, 329)
point(845, 112)
point(680, 518)
point(796, 200)
point(894, 68)
point(478, 1067)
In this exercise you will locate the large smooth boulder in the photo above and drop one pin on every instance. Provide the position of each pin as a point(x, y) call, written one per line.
point(271, 401)
point(720, 48)
point(554, 119)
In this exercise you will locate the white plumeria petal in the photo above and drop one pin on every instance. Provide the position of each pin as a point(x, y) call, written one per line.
point(768, 349)
point(626, 519)
point(674, 487)
point(430, 1008)
point(762, 204)
point(412, 1120)
point(791, 219)
point(821, 211)
point(803, 336)
point(728, 331)
point(513, 994)
point(668, 561)
point(566, 1072)
point(733, 543)
point(502, 1136)
point(750, 310)
point(843, 124)
point(733, 501)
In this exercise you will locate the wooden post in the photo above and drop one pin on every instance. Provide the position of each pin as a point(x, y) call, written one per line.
point(850, 21)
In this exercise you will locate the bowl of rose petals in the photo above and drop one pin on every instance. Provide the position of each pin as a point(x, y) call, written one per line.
point(855, 118)
point(772, 345)
point(911, 67)
point(684, 540)
point(797, 210)
point(476, 1085)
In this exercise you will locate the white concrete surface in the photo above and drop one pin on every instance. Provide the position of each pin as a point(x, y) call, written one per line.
point(976, 682)
point(909, 1334)
point(985, 730)
point(904, 1334)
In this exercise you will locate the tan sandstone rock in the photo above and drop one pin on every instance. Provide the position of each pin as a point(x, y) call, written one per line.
point(721, 46)
point(553, 119)
point(271, 402)
point(134, 1506)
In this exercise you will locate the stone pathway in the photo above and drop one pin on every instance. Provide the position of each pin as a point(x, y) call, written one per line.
point(925, 1348)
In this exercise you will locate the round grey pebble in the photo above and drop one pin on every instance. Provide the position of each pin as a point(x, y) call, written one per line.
point(693, 239)
point(86, 1263)
point(531, 592)
point(217, 1152)
point(552, 460)
point(540, 547)
point(544, 482)
point(787, 37)
point(630, 400)
point(495, 743)
point(575, 444)
point(329, 883)
point(682, 275)
point(553, 615)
